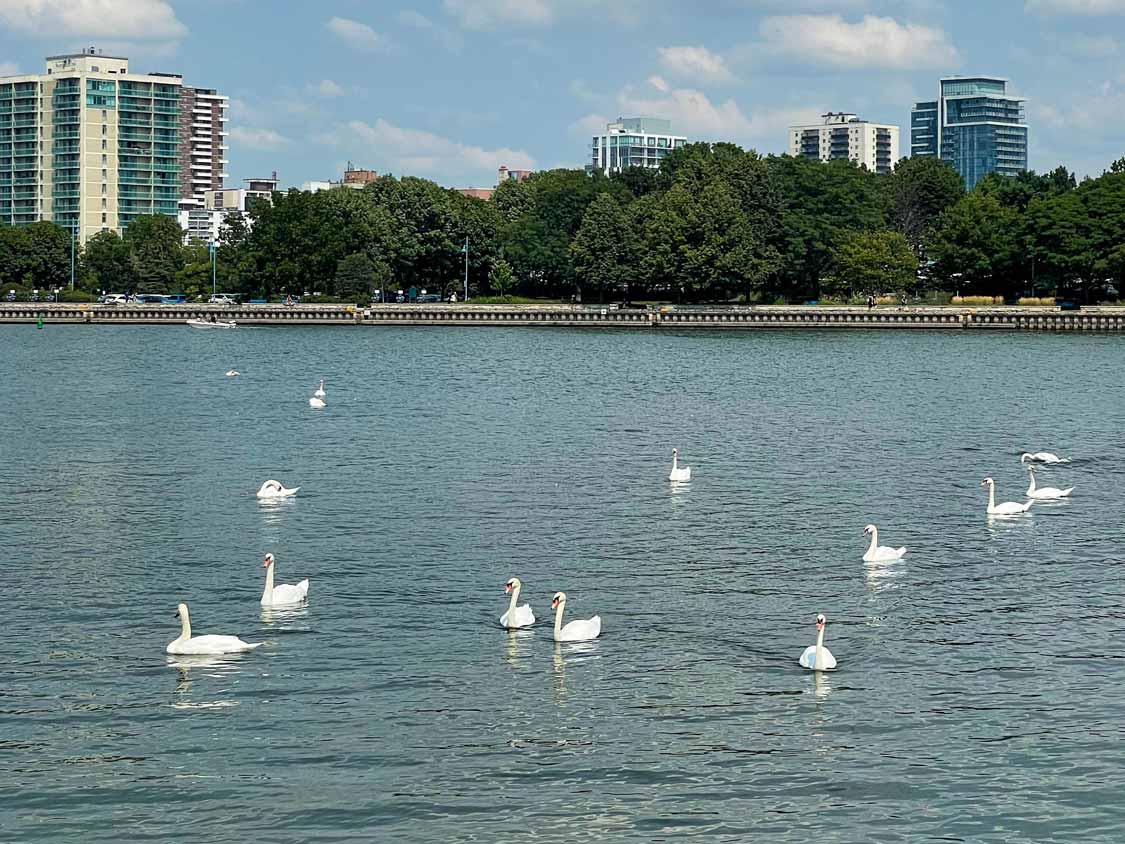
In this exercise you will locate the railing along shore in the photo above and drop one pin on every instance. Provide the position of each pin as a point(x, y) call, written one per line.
point(1013, 318)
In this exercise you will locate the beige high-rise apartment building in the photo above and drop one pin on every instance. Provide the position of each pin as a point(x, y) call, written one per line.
point(88, 144)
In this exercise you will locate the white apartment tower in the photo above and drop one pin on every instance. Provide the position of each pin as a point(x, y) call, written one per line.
point(633, 142)
point(844, 136)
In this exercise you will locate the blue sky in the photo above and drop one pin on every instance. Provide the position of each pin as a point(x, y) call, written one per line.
point(450, 89)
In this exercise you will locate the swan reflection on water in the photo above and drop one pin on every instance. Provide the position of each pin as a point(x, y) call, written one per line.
point(197, 667)
point(881, 576)
point(516, 646)
point(822, 686)
point(284, 615)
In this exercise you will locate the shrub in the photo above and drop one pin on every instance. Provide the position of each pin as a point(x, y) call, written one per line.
point(1032, 300)
point(977, 300)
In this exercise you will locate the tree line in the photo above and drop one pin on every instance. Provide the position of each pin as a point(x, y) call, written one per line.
point(715, 222)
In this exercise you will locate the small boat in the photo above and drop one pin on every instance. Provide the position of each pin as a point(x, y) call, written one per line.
point(213, 323)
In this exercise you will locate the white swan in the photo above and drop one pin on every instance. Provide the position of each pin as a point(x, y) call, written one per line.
point(1042, 457)
point(316, 402)
point(188, 644)
point(817, 657)
point(284, 595)
point(877, 553)
point(274, 489)
point(232, 373)
point(1045, 493)
point(580, 630)
point(516, 617)
point(1008, 508)
point(678, 473)
point(320, 390)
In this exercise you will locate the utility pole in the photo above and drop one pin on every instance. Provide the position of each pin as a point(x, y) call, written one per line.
point(213, 262)
point(466, 251)
point(73, 238)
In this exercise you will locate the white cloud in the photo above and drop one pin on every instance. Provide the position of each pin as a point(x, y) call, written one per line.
point(409, 17)
point(260, 139)
point(488, 14)
point(872, 42)
point(588, 126)
point(659, 83)
point(356, 35)
point(145, 20)
point(1076, 7)
point(325, 88)
point(694, 114)
point(417, 152)
point(485, 14)
point(697, 64)
point(1092, 46)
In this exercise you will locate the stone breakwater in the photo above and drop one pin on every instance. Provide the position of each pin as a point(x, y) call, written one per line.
point(1095, 319)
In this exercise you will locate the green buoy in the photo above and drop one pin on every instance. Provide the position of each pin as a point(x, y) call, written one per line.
point(39, 324)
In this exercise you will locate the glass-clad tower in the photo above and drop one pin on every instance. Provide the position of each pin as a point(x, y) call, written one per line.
point(975, 125)
point(88, 144)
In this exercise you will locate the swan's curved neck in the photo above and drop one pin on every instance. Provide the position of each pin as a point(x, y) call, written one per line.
point(512, 606)
point(558, 620)
point(1031, 488)
point(874, 540)
point(675, 461)
point(991, 496)
point(185, 627)
point(268, 591)
point(820, 647)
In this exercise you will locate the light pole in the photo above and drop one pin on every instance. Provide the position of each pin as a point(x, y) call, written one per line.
point(466, 251)
point(213, 262)
point(73, 238)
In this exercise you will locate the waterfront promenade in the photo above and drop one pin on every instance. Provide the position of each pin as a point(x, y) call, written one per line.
point(1098, 319)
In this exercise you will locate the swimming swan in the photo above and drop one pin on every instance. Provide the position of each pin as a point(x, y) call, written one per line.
point(1045, 493)
point(817, 657)
point(877, 553)
point(678, 473)
point(516, 617)
point(316, 402)
point(320, 390)
point(284, 595)
point(232, 373)
point(274, 489)
point(580, 630)
point(1042, 457)
point(187, 644)
point(1008, 508)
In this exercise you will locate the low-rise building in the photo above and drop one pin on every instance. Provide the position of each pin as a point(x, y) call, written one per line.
point(633, 142)
point(843, 135)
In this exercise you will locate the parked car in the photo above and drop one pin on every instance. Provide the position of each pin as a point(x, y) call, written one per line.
point(220, 299)
point(429, 297)
point(115, 299)
point(10, 296)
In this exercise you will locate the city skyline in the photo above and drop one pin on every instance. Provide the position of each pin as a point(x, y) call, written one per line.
point(450, 90)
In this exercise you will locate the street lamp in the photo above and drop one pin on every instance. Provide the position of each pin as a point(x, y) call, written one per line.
point(73, 239)
point(465, 249)
point(214, 260)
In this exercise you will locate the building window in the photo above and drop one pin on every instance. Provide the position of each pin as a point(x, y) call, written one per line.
point(105, 159)
point(103, 189)
point(104, 219)
point(103, 204)
point(104, 144)
point(104, 127)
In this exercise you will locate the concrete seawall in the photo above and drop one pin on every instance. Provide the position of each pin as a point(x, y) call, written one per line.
point(1097, 319)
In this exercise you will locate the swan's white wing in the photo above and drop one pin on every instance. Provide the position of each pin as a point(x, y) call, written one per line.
point(581, 630)
point(808, 659)
point(212, 644)
point(522, 617)
point(287, 593)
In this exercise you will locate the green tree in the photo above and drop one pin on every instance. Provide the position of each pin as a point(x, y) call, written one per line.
point(601, 249)
point(108, 263)
point(920, 189)
point(973, 245)
point(355, 278)
point(874, 262)
point(502, 279)
point(156, 244)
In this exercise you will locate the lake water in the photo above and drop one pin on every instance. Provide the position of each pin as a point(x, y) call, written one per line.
point(980, 694)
